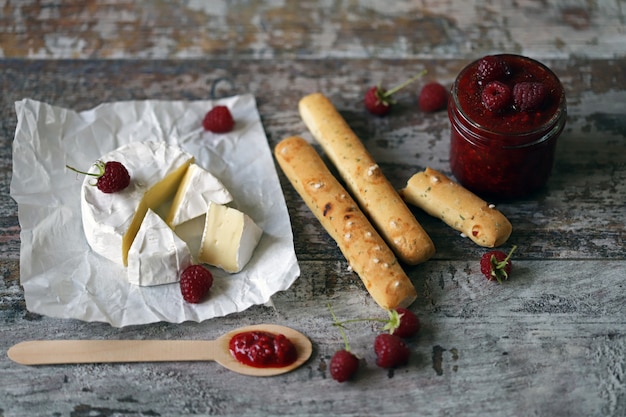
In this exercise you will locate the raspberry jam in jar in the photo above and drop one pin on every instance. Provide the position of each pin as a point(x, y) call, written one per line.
point(506, 113)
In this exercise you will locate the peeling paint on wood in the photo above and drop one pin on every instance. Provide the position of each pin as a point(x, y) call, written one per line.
point(264, 29)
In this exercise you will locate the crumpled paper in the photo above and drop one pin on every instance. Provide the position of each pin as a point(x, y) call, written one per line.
point(62, 277)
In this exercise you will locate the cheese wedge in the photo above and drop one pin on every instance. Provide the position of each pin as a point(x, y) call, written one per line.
point(196, 190)
point(111, 221)
point(157, 255)
point(229, 238)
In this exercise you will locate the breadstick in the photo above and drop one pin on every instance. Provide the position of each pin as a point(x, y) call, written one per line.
point(458, 207)
point(365, 250)
point(378, 199)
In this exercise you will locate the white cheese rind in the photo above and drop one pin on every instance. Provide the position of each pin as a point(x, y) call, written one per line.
point(229, 239)
point(196, 190)
point(157, 255)
point(110, 221)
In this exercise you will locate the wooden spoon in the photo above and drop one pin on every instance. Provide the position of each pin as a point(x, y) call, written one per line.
point(46, 352)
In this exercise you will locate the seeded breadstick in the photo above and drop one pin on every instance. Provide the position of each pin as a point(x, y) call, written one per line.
point(458, 207)
point(363, 177)
point(365, 250)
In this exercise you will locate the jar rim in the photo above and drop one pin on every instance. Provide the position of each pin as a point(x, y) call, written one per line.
point(560, 112)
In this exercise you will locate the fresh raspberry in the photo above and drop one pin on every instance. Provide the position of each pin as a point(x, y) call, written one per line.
point(529, 95)
point(112, 176)
point(391, 351)
point(409, 323)
point(496, 96)
point(378, 101)
point(496, 265)
point(433, 97)
point(218, 120)
point(491, 68)
point(195, 283)
point(343, 365)
point(115, 177)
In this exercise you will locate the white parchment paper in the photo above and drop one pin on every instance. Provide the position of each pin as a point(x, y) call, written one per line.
point(62, 277)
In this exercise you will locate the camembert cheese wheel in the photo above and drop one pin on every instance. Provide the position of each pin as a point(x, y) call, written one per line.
point(111, 221)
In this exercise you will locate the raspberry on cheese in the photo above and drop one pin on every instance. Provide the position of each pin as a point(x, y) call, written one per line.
point(111, 221)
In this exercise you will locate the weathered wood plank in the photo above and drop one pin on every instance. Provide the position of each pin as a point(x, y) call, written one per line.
point(264, 29)
point(546, 349)
point(550, 342)
point(588, 175)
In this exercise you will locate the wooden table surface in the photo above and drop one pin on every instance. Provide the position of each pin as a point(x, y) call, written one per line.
point(549, 342)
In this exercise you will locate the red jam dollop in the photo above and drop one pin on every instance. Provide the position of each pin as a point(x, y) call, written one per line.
point(263, 349)
point(506, 153)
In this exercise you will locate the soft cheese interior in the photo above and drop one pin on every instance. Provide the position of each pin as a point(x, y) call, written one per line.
point(229, 239)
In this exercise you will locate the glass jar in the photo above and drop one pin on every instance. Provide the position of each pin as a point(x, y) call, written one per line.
point(508, 153)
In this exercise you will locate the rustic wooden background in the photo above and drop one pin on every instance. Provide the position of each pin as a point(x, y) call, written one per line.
point(265, 29)
point(550, 342)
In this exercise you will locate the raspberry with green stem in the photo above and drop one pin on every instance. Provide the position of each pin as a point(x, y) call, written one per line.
point(111, 177)
point(378, 101)
point(344, 363)
point(496, 265)
point(401, 322)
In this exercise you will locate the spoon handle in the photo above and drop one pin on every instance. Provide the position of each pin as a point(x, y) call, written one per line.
point(44, 352)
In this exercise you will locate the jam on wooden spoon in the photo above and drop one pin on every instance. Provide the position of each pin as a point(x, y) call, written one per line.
point(295, 349)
